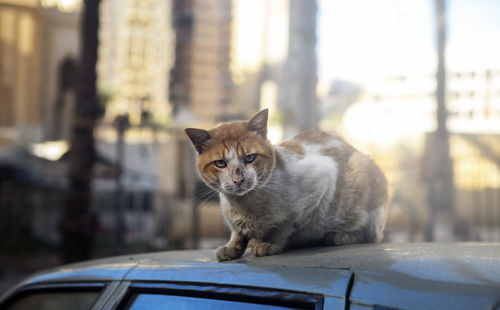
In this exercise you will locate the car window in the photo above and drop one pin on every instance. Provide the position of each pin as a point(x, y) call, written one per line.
point(157, 301)
point(54, 301)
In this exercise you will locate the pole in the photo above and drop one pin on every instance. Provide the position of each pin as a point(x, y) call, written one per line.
point(299, 102)
point(122, 124)
point(78, 224)
point(440, 188)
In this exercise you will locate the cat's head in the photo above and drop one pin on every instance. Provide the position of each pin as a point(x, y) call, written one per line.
point(234, 158)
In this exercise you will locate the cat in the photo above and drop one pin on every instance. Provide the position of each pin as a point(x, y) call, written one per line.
point(315, 189)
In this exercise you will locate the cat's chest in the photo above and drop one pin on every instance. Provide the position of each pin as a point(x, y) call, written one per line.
point(252, 221)
point(249, 226)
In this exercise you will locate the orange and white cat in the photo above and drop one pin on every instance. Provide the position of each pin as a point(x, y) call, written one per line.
point(315, 189)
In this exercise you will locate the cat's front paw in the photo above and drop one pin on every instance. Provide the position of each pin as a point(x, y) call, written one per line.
point(266, 249)
point(339, 238)
point(228, 253)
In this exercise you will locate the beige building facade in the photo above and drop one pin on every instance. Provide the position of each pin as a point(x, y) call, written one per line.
point(201, 78)
point(135, 56)
point(34, 41)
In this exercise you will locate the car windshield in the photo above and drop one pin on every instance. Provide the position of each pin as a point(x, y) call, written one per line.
point(126, 125)
point(157, 302)
point(54, 301)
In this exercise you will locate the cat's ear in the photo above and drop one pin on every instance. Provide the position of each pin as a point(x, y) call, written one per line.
point(258, 123)
point(199, 137)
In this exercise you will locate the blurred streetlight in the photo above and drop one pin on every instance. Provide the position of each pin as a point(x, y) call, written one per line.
point(63, 5)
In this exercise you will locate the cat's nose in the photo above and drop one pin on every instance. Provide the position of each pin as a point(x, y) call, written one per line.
point(238, 181)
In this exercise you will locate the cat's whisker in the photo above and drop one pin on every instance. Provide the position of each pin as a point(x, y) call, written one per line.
point(267, 186)
point(206, 196)
point(270, 191)
point(205, 193)
point(272, 186)
point(204, 201)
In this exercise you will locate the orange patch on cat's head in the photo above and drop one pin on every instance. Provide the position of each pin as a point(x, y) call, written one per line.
point(243, 138)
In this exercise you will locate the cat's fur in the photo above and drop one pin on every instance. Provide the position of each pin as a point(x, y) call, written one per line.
point(312, 190)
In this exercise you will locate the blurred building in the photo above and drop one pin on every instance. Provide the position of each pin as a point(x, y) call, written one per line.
point(396, 112)
point(35, 42)
point(299, 103)
point(200, 79)
point(473, 99)
point(260, 40)
point(39, 54)
point(135, 56)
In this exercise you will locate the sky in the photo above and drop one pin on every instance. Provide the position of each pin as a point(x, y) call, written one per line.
point(360, 40)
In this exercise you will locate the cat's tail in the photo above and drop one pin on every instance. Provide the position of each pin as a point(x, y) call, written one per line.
point(378, 218)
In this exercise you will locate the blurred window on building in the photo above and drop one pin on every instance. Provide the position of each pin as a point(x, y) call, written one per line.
point(17, 64)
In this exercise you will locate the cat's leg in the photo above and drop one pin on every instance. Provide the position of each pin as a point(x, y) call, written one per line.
point(372, 232)
point(234, 248)
point(263, 248)
point(274, 242)
point(343, 238)
point(252, 242)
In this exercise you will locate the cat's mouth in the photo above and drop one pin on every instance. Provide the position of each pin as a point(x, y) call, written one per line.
point(239, 190)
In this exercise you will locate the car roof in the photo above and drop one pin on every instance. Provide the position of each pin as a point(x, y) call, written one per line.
point(464, 262)
point(372, 271)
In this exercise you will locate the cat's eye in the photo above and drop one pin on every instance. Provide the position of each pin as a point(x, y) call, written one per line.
point(249, 158)
point(220, 163)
